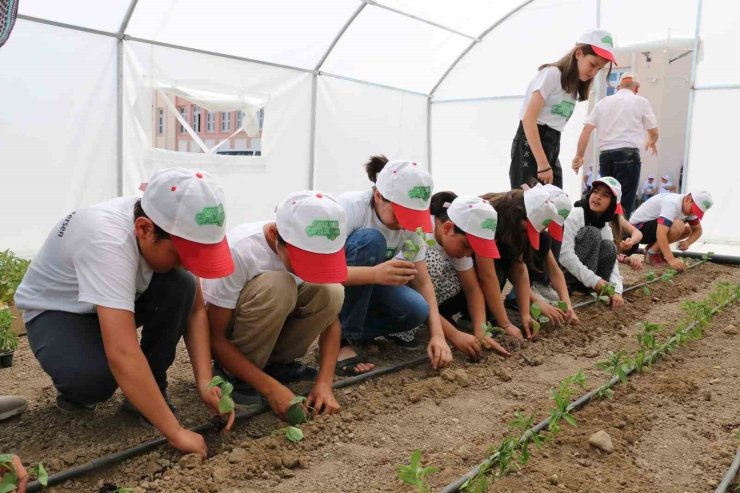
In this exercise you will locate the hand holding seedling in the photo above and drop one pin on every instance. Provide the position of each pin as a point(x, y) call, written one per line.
point(411, 249)
point(606, 293)
point(213, 397)
point(321, 398)
point(439, 352)
point(538, 318)
point(485, 335)
point(554, 313)
point(617, 301)
point(13, 476)
point(279, 398)
point(467, 344)
point(394, 272)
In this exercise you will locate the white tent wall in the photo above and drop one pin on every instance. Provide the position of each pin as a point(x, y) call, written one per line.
point(57, 129)
point(253, 185)
point(355, 121)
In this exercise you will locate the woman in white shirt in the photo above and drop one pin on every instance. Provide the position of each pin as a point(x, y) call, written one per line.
point(588, 252)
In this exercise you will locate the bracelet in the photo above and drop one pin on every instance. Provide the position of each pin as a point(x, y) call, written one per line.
point(543, 170)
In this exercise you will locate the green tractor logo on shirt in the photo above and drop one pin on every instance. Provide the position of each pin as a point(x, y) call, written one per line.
point(563, 108)
point(327, 228)
point(607, 40)
point(489, 223)
point(422, 193)
point(211, 215)
point(546, 222)
point(563, 213)
point(707, 204)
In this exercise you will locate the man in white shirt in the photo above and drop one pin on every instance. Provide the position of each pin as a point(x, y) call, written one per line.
point(666, 185)
point(107, 269)
point(649, 188)
point(622, 120)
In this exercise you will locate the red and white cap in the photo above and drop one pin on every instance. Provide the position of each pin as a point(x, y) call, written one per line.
point(540, 213)
point(563, 205)
point(478, 219)
point(314, 226)
point(189, 205)
point(601, 41)
point(615, 188)
point(409, 188)
point(701, 202)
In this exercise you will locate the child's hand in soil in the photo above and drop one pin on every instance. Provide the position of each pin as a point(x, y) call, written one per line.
point(489, 342)
point(513, 331)
point(439, 352)
point(321, 398)
point(635, 263)
point(572, 317)
point(468, 344)
point(555, 314)
point(527, 326)
point(677, 264)
point(211, 397)
point(617, 301)
point(188, 442)
point(279, 398)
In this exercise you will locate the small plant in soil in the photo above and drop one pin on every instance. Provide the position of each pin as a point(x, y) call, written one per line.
point(562, 396)
point(617, 365)
point(299, 411)
point(605, 294)
point(410, 249)
point(562, 305)
point(226, 404)
point(414, 474)
point(9, 476)
point(490, 330)
point(538, 319)
point(524, 423)
point(294, 434)
point(668, 275)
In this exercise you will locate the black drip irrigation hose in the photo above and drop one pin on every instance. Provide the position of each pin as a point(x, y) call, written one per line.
point(145, 447)
point(730, 474)
point(588, 397)
point(715, 258)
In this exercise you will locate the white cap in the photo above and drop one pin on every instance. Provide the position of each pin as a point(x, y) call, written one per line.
point(601, 41)
point(701, 202)
point(314, 226)
point(540, 213)
point(615, 188)
point(666, 177)
point(478, 218)
point(189, 205)
point(563, 205)
point(409, 188)
point(629, 77)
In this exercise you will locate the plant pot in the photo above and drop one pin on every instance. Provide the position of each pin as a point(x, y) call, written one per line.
point(6, 359)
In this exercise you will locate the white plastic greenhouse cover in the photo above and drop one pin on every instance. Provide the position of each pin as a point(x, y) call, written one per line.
point(435, 81)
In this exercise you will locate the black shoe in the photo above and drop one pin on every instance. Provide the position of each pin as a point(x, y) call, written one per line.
point(70, 407)
point(291, 372)
point(128, 405)
point(411, 345)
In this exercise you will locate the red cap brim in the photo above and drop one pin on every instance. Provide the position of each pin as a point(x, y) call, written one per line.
point(209, 261)
point(619, 209)
point(697, 210)
point(483, 247)
point(556, 231)
point(605, 54)
point(323, 268)
point(410, 219)
point(534, 236)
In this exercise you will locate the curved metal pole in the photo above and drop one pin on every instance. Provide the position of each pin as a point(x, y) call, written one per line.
point(480, 39)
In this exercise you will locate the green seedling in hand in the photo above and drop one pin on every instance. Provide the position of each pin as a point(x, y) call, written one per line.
point(294, 434)
point(411, 248)
point(490, 330)
point(606, 293)
point(9, 475)
point(415, 475)
point(538, 319)
point(226, 403)
point(299, 411)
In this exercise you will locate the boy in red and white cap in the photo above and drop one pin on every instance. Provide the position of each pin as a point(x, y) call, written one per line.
point(389, 289)
point(284, 293)
point(668, 218)
point(103, 271)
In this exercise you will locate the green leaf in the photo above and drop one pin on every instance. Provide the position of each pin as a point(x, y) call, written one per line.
point(294, 434)
point(535, 327)
point(569, 419)
point(604, 299)
point(225, 404)
point(431, 243)
point(296, 414)
point(39, 472)
point(645, 290)
point(216, 382)
point(544, 320)
point(299, 399)
point(535, 310)
point(562, 305)
point(8, 482)
point(6, 459)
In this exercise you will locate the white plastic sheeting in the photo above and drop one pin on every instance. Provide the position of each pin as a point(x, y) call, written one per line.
point(58, 127)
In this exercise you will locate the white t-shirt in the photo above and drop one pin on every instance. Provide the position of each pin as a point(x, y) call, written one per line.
point(665, 187)
point(666, 208)
point(559, 105)
point(252, 256)
point(460, 264)
point(570, 260)
point(648, 187)
point(361, 215)
point(89, 259)
point(622, 120)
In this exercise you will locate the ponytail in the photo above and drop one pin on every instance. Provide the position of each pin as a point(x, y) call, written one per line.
point(437, 204)
point(374, 165)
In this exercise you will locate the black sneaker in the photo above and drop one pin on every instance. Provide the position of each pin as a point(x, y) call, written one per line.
point(67, 406)
point(291, 372)
point(409, 344)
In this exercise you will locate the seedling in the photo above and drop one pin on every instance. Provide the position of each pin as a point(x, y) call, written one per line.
point(479, 482)
point(650, 276)
point(294, 434)
point(524, 423)
point(560, 304)
point(605, 294)
point(490, 330)
point(668, 275)
point(617, 365)
point(299, 411)
point(415, 475)
point(411, 248)
point(538, 319)
point(562, 396)
point(226, 403)
point(9, 476)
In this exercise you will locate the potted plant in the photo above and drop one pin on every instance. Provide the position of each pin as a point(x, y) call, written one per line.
point(8, 339)
point(12, 270)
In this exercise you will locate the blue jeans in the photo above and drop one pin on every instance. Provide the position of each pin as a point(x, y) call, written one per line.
point(624, 165)
point(373, 310)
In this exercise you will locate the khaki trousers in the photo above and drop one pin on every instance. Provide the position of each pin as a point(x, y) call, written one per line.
point(276, 321)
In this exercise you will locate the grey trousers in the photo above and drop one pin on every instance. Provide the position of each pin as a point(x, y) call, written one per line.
point(595, 253)
point(69, 346)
